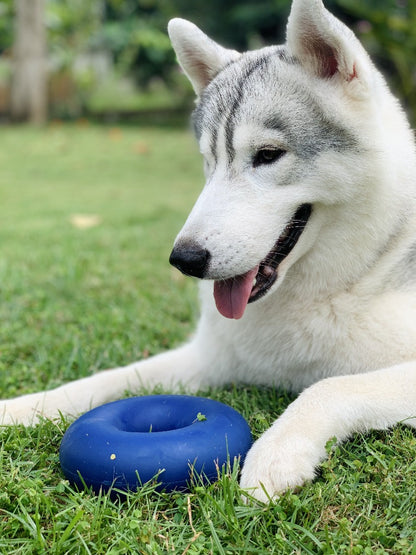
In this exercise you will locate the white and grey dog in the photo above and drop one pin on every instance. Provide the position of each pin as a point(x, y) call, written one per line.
point(305, 237)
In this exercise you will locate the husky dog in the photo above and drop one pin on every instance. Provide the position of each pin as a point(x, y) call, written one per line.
point(304, 237)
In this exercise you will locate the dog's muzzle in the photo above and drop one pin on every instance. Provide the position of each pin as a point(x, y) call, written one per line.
point(233, 294)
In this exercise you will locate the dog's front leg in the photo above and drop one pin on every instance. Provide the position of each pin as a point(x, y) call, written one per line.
point(182, 366)
point(288, 453)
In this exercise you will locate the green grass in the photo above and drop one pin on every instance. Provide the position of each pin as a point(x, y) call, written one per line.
point(76, 300)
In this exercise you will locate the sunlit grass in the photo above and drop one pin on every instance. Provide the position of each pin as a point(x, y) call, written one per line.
point(88, 215)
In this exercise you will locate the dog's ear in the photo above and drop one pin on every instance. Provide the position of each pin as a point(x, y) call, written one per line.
point(200, 57)
point(324, 45)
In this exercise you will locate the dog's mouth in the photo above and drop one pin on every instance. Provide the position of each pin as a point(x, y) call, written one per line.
point(232, 295)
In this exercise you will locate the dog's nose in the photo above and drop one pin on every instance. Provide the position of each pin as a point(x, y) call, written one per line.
point(190, 259)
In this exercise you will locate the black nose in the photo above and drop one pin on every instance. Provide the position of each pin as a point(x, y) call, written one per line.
point(190, 259)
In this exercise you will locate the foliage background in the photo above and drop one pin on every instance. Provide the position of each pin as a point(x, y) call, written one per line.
point(114, 56)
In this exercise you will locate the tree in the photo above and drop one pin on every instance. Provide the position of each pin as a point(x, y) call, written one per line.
point(29, 81)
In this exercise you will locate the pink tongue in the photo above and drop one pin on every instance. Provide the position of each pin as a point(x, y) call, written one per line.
point(232, 295)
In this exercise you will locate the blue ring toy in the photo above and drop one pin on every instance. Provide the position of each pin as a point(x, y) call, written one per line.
point(126, 443)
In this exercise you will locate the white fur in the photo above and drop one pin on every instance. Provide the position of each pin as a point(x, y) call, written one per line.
point(339, 325)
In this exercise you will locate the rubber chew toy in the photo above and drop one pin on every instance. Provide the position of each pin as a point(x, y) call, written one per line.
point(126, 443)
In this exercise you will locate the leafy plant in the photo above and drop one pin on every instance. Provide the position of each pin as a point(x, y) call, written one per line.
point(387, 28)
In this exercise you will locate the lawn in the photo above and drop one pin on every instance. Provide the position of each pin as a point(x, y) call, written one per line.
point(88, 216)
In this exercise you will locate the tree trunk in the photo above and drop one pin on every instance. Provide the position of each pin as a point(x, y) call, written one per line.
point(29, 82)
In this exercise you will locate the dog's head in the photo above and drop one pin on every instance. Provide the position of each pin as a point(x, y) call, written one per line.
point(278, 131)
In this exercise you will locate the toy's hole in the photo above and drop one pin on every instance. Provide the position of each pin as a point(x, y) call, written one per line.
point(156, 419)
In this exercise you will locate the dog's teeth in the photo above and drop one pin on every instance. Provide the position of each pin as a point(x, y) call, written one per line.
point(267, 271)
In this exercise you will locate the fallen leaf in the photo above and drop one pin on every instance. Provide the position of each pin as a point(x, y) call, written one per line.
point(85, 221)
point(141, 147)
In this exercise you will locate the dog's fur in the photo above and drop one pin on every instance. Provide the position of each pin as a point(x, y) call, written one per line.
point(313, 124)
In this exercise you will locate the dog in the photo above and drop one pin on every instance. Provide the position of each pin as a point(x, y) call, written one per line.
point(304, 239)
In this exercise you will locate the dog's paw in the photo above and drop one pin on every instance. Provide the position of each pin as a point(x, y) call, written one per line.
point(24, 410)
point(12, 413)
point(273, 465)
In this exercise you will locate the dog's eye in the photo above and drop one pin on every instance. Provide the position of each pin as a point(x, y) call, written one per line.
point(267, 156)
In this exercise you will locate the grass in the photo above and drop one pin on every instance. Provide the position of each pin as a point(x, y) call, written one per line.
point(88, 215)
